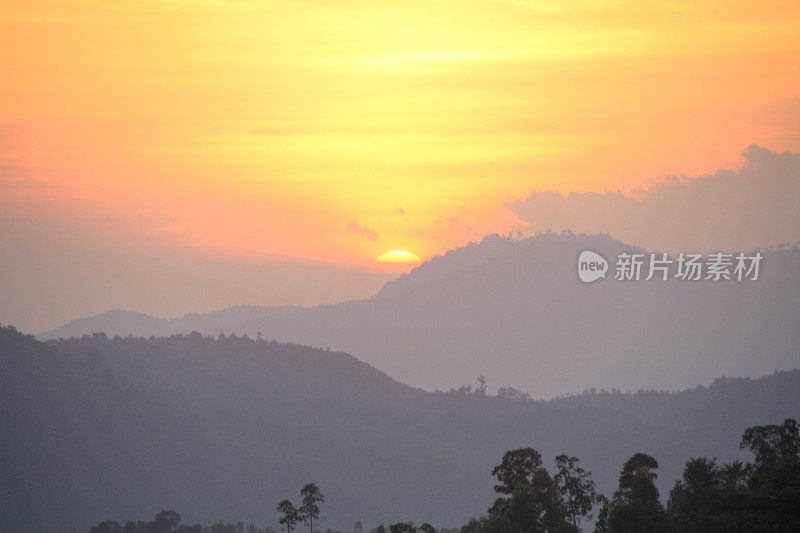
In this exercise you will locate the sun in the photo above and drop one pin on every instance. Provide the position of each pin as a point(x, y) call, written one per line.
point(398, 256)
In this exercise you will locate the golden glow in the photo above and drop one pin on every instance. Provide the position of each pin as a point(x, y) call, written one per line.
point(267, 127)
point(398, 256)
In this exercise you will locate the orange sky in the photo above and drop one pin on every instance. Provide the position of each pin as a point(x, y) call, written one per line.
point(268, 128)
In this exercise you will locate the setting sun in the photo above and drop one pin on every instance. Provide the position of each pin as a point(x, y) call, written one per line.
point(398, 256)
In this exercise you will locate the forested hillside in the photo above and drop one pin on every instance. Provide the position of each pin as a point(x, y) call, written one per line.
point(224, 428)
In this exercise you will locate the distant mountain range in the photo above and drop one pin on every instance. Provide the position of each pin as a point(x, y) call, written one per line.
point(516, 311)
point(226, 428)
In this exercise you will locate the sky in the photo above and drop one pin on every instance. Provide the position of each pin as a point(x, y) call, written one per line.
point(153, 151)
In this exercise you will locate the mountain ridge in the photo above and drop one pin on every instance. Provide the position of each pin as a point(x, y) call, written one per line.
point(516, 311)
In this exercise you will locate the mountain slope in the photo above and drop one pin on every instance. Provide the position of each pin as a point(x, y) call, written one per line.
point(99, 428)
point(516, 311)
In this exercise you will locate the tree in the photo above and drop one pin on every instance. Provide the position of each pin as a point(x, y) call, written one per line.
point(534, 504)
point(310, 510)
point(402, 527)
point(535, 507)
point(291, 516)
point(426, 527)
point(773, 445)
point(635, 506)
point(734, 475)
point(481, 385)
point(695, 501)
point(774, 479)
point(517, 467)
point(510, 393)
point(575, 488)
point(165, 521)
point(358, 527)
point(601, 525)
point(637, 478)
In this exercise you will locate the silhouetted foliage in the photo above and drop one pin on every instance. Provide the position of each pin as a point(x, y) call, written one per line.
point(170, 522)
point(576, 489)
point(517, 467)
point(291, 516)
point(309, 510)
point(535, 503)
point(635, 506)
point(773, 446)
point(510, 393)
point(763, 496)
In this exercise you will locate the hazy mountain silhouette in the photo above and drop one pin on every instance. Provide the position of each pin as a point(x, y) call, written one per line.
point(516, 311)
point(131, 323)
point(100, 428)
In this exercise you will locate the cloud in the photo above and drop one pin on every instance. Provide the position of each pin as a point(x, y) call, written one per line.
point(752, 207)
point(361, 230)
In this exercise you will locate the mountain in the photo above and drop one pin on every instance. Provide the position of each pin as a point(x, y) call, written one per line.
point(98, 428)
point(516, 311)
point(131, 323)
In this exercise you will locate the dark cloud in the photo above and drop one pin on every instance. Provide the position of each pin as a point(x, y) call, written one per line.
point(367, 233)
point(754, 206)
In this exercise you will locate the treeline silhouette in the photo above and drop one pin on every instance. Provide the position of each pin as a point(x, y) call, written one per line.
point(168, 521)
point(739, 496)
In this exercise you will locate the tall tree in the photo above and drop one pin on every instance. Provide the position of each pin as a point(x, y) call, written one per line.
point(534, 504)
point(695, 501)
point(291, 516)
point(635, 506)
point(773, 445)
point(517, 467)
point(576, 489)
point(534, 507)
point(310, 510)
point(775, 476)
